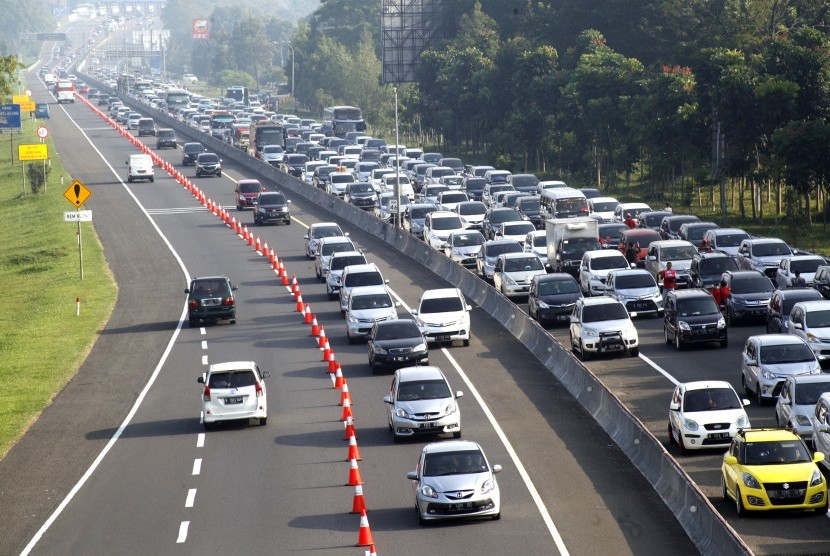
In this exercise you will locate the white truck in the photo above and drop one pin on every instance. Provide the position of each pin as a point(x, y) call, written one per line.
point(568, 239)
point(65, 91)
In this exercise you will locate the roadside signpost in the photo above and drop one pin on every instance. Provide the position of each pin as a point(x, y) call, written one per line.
point(77, 194)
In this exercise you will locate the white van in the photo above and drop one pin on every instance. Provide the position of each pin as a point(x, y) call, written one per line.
point(564, 202)
point(140, 167)
point(389, 181)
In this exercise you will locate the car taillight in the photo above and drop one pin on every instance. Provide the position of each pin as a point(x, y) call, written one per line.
point(206, 393)
point(194, 303)
point(230, 301)
point(258, 390)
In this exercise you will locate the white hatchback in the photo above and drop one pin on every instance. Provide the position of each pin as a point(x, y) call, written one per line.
point(234, 390)
point(443, 315)
point(705, 414)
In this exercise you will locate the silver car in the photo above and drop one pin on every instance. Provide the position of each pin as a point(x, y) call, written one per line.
point(454, 480)
point(337, 263)
point(317, 231)
point(636, 289)
point(768, 359)
point(463, 247)
point(420, 401)
point(513, 273)
point(326, 247)
point(486, 261)
point(797, 402)
point(368, 305)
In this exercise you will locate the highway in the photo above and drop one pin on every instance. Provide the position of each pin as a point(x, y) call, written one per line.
point(165, 485)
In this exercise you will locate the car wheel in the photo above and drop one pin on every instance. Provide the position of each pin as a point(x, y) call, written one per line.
point(497, 517)
point(207, 426)
point(724, 343)
point(288, 222)
point(232, 321)
point(263, 421)
point(465, 343)
point(456, 434)
point(129, 179)
point(191, 323)
point(758, 396)
point(582, 353)
point(747, 391)
point(634, 352)
point(666, 334)
point(681, 447)
point(152, 180)
point(219, 174)
point(678, 343)
point(671, 434)
point(739, 503)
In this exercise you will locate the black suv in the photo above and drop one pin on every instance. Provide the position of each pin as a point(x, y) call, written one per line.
point(552, 297)
point(190, 151)
point(821, 282)
point(707, 269)
point(165, 137)
point(749, 295)
point(210, 299)
point(271, 208)
point(692, 316)
point(208, 164)
point(781, 304)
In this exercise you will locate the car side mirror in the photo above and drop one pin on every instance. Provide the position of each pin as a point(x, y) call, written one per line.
point(387, 399)
point(468, 308)
point(823, 428)
point(200, 380)
point(674, 407)
point(751, 362)
point(414, 312)
point(234, 288)
point(817, 457)
point(798, 326)
point(386, 281)
point(266, 374)
point(187, 290)
point(412, 475)
point(574, 320)
point(288, 201)
point(459, 394)
point(397, 304)
point(652, 257)
point(497, 468)
point(305, 236)
point(745, 402)
point(730, 460)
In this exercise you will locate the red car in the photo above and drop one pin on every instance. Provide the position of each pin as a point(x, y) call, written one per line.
point(641, 237)
point(247, 192)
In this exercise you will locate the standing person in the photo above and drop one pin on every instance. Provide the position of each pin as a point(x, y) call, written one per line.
point(667, 207)
point(630, 222)
point(704, 246)
point(721, 293)
point(798, 281)
point(631, 253)
point(669, 276)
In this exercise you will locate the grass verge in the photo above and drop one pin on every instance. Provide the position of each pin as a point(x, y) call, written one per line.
point(42, 341)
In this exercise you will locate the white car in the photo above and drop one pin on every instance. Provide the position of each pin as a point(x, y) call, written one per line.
point(308, 171)
point(376, 178)
point(537, 242)
point(338, 181)
point(368, 305)
point(594, 269)
point(234, 390)
point(316, 232)
point(443, 315)
point(326, 247)
point(430, 192)
point(634, 209)
point(420, 401)
point(705, 414)
point(517, 231)
point(438, 225)
point(602, 208)
point(454, 480)
point(810, 321)
point(805, 265)
point(636, 289)
point(448, 200)
point(473, 213)
point(463, 247)
point(355, 276)
point(513, 273)
point(602, 325)
point(337, 263)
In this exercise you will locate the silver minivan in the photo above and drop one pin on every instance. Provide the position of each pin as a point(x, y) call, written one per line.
point(797, 402)
point(355, 276)
point(768, 359)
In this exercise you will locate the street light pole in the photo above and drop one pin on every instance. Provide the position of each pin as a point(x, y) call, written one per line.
point(291, 48)
point(398, 222)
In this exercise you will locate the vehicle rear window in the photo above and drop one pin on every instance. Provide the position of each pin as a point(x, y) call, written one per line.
point(209, 287)
point(818, 319)
point(249, 187)
point(556, 287)
point(500, 248)
point(806, 265)
point(339, 263)
point(633, 281)
point(808, 393)
point(232, 379)
point(331, 248)
point(374, 301)
point(753, 284)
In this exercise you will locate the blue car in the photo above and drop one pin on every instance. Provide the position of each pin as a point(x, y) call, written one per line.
point(42, 111)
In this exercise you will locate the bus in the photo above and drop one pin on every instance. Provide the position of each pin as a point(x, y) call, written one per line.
point(339, 120)
point(262, 134)
point(220, 124)
point(176, 99)
point(238, 93)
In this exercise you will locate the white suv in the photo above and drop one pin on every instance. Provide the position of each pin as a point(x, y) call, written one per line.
point(355, 276)
point(234, 390)
point(439, 224)
point(810, 321)
point(595, 267)
point(443, 315)
point(602, 325)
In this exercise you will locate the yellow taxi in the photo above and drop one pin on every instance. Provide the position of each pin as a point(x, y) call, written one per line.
point(772, 469)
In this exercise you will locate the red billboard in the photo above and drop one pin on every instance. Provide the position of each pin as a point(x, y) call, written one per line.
point(201, 29)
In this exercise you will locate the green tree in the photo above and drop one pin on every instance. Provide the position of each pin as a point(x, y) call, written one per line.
point(800, 153)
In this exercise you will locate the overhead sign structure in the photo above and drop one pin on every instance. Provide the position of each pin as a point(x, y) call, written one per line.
point(201, 28)
point(43, 132)
point(9, 115)
point(77, 216)
point(77, 193)
point(32, 152)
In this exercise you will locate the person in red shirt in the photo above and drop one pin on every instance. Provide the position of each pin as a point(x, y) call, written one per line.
point(669, 276)
point(721, 293)
point(630, 222)
point(704, 246)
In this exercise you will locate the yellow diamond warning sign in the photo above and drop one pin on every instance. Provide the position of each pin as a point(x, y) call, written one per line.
point(77, 193)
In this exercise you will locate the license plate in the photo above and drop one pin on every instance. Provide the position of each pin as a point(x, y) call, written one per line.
point(232, 401)
point(400, 358)
point(720, 436)
point(562, 317)
point(427, 426)
point(442, 337)
point(461, 507)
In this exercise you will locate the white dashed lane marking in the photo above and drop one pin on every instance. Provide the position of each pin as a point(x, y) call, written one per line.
point(197, 466)
point(191, 497)
point(183, 532)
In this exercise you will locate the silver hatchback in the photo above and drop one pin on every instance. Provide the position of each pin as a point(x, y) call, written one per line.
point(420, 401)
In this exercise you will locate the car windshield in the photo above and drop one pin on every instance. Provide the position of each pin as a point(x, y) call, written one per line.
point(712, 399)
point(396, 330)
point(339, 263)
point(441, 305)
point(272, 149)
point(806, 265)
point(730, 240)
point(717, 265)
point(453, 198)
point(607, 263)
point(775, 452)
point(653, 219)
point(603, 312)
point(578, 245)
point(468, 240)
point(208, 158)
point(324, 171)
point(374, 301)
point(808, 393)
point(818, 319)
point(679, 253)
point(530, 205)
point(272, 199)
point(753, 284)
point(517, 229)
point(494, 250)
point(501, 216)
point(419, 213)
point(540, 241)
point(523, 264)
point(499, 188)
point(326, 231)
point(557, 287)
point(447, 223)
point(414, 390)
point(607, 206)
point(633, 281)
point(644, 240)
point(210, 287)
point(614, 231)
point(454, 463)
point(336, 247)
point(434, 190)
point(770, 249)
point(232, 379)
point(455, 181)
point(697, 307)
point(250, 187)
point(786, 353)
point(675, 223)
point(357, 279)
point(362, 188)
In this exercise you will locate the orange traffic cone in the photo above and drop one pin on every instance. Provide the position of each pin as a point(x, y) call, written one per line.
point(272, 259)
point(348, 428)
point(344, 394)
point(338, 378)
point(347, 412)
point(354, 474)
point(322, 341)
point(295, 287)
point(354, 451)
point(264, 251)
point(364, 537)
point(372, 551)
point(251, 239)
point(358, 502)
point(333, 366)
point(283, 274)
point(307, 319)
point(326, 351)
point(300, 307)
point(246, 236)
point(315, 328)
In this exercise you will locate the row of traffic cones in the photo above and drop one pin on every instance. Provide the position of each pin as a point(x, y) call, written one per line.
point(365, 538)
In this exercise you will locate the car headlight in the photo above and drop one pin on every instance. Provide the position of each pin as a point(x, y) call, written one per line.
point(690, 424)
point(767, 375)
point(802, 420)
point(507, 279)
point(428, 491)
point(378, 349)
point(742, 422)
point(817, 478)
point(457, 253)
point(543, 305)
point(750, 481)
point(352, 318)
point(488, 486)
point(450, 409)
point(721, 322)
point(401, 412)
point(812, 338)
point(419, 348)
point(589, 332)
point(683, 325)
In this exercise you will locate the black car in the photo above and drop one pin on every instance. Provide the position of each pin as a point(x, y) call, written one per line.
point(749, 295)
point(531, 209)
point(294, 164)
point(821, 281)
point(103, 99)
point(190, 151)
point(271, 208)
point(692, 316)
point(552, 297)
point(610, 235)
point(591, 193)
point(210, 299)
point(165, 137)
point(652, 219)
point(397, 343)
point(361, 194)
point(781, 304)
point(693, 232)
point(208, 164)
point(474, 188)
point(526, 183)
point(670, 226)
point(494, 217)
point(707, 269)
point(322, 176)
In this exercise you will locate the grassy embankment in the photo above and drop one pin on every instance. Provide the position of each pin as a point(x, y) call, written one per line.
point(42, 341)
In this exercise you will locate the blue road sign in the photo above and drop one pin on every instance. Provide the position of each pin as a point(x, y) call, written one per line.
point(9, 115)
